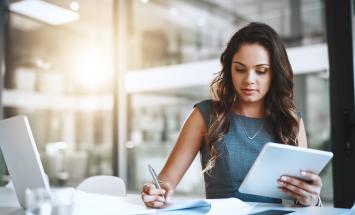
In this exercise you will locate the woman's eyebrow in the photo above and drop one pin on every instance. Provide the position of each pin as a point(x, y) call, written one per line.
point(237, 62)
point(262, 64)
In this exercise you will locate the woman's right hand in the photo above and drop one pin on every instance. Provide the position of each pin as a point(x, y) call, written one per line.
point(153, 197)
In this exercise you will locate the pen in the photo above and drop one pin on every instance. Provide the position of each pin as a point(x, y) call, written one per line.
point(155, 178)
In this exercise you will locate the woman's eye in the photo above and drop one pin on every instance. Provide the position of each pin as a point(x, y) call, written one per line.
point(263, 71)
point(239, 70)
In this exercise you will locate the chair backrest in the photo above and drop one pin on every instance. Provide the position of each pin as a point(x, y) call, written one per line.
point(103, 184)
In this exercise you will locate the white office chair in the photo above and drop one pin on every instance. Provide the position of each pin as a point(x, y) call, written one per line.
point(103, 184)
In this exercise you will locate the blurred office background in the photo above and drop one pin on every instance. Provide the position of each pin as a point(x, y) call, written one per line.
point(62, 61)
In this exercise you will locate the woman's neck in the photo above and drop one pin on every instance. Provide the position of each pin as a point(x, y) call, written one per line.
point(255, 110)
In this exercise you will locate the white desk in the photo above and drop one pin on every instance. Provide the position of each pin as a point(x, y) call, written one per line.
point(9, 206)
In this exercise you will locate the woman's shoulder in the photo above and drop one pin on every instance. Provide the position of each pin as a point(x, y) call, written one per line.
point(207, 103)
point(205, 107)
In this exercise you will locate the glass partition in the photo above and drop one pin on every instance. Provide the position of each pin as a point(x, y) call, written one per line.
point(59, 71)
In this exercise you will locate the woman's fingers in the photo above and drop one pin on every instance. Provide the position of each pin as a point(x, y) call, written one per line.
point(293, 188)
point(298, 183)
point(152, 198)
point(311, 199)
point(306, 190)
point(153, 201)
point(310, 176)
point(150, 189)
point(154, 204)
point(291, 193)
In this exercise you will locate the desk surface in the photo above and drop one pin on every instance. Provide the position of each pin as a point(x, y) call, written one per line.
point(10, 206)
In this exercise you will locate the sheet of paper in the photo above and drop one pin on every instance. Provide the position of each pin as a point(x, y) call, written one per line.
point(229, 206)
point(178, 205)
point(87, 203)
point(211, 206)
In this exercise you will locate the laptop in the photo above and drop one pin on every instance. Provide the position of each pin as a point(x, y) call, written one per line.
point(21, 157)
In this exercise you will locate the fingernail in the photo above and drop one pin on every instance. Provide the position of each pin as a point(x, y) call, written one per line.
point(304, 173)
point(284, 178)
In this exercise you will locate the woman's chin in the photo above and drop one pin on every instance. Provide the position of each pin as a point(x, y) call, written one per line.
point(249, 99)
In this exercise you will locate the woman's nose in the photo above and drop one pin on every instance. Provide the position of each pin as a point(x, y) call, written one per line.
point(250, 77)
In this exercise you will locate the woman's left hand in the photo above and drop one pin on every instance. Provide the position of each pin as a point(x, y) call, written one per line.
point(306, 191)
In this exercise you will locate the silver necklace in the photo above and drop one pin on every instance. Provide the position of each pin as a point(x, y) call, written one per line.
point(245, 131)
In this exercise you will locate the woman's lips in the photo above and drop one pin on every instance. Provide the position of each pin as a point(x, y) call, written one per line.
point(249, 92)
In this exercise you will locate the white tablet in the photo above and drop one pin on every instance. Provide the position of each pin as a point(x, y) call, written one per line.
point(276, 160)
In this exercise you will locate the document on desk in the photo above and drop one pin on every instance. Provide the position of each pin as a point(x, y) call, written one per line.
point(211, 206)
point(88, 203)
point(229, 206)
point(187, 205)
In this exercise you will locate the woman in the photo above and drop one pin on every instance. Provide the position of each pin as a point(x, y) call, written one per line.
point(253, 104)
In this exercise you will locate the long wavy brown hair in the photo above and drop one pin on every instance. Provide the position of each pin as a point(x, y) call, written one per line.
point(279, 103)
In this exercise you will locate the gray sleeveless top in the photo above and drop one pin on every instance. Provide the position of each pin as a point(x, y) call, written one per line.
point(236, 154)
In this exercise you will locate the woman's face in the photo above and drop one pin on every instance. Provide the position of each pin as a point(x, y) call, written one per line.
point(251, 73)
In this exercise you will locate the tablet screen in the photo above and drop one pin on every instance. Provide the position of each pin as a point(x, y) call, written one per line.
point(276, 160)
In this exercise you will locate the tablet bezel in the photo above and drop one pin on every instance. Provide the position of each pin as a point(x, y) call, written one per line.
point(276, 160)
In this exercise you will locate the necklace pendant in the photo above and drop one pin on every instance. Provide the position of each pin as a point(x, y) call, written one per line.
point(245, 130)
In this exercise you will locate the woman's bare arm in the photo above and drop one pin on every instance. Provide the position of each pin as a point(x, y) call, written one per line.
point(185, 149)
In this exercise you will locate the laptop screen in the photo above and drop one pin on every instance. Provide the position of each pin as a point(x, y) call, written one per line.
point(21, 156)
